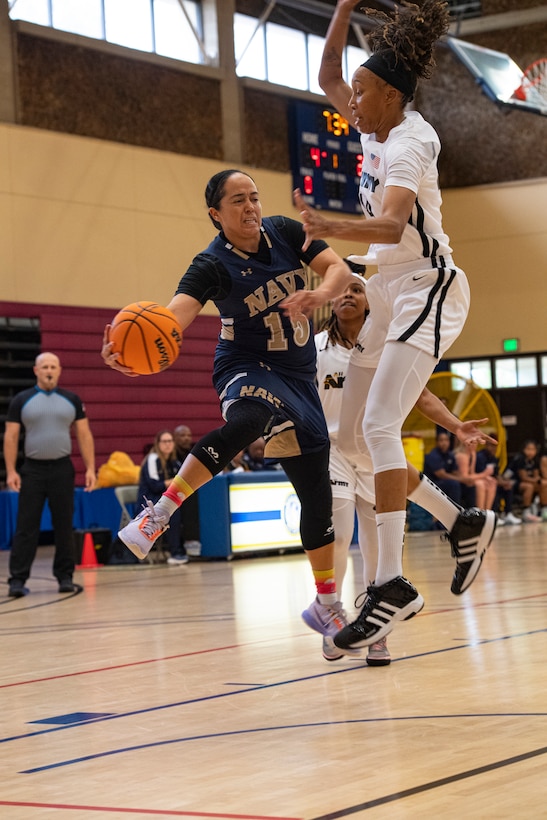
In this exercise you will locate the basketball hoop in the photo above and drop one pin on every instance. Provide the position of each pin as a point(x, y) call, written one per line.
point(534, 82)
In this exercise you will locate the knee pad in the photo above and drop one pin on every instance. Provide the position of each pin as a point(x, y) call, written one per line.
point(309, 475)
point(246, 421)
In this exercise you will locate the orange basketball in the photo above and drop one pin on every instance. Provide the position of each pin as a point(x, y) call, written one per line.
point(147, 336)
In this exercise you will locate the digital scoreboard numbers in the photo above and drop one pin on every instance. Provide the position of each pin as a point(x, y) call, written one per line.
point(326, 158)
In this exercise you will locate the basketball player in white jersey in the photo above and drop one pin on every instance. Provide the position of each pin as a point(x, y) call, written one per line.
point(419, 299)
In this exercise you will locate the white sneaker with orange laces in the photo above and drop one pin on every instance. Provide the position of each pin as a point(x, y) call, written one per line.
point(144, 530)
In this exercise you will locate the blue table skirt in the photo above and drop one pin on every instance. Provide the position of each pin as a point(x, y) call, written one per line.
point(99, 508)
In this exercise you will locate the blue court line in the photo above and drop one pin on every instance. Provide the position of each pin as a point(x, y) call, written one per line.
point(236, 732)
point(256, 688)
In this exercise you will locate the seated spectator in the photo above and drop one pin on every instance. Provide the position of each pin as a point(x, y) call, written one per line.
point(531, 484)
point(237, 464)
point(183, 438)
point(157, 471)
point(479, 487)
point(184, 441)
point(253, 457)
point(543, 474)
point(505, 483)
point(440, 466)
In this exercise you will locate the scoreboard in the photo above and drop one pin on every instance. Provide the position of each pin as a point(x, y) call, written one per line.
point(326, 157)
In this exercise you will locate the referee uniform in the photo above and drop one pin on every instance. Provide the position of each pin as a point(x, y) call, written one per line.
point(46, 474)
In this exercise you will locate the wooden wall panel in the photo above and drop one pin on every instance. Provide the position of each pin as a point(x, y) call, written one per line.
point(76, 90)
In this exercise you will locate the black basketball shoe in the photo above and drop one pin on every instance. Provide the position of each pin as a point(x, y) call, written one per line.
point(469, 539)
point(398, 600)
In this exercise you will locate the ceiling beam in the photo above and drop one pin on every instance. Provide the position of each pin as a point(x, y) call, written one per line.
point(475, 25)
point(493, 22)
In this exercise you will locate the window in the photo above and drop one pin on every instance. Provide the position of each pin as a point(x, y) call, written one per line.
point(134, 31)
point(479, 371)
point(85, 17)
point(544, 369)
point(33, 11)
point(519, 372)
point(159, 26)
point(283, 55)
point(286, 56)
point(250, 53)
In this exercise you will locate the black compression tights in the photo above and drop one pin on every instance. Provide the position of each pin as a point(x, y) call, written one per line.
point(246, 421)
point(309, 475)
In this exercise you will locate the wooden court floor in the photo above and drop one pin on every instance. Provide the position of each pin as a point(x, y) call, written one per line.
point(198, 692)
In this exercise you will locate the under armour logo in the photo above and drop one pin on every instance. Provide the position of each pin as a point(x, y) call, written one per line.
point(246, 272)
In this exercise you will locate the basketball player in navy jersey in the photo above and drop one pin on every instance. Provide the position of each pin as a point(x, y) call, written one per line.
point(264, 370)
point(418, 300)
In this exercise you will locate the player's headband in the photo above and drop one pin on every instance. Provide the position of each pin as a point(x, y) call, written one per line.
point(386, 66)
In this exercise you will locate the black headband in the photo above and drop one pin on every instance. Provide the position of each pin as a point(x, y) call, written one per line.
point(386, 66)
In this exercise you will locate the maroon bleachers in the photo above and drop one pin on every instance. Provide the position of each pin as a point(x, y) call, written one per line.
point(125, 413)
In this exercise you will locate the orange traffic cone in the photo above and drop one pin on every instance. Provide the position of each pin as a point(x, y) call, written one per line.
point(89, 554)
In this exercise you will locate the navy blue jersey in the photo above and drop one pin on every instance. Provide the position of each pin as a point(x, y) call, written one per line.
point(248, 290)
point(437, 460)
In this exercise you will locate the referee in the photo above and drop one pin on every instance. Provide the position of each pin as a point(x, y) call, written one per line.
point(47, 413)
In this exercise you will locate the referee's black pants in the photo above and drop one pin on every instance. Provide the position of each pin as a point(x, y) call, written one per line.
point(40, 480)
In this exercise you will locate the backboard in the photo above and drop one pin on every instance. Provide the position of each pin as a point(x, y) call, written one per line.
point(499, 77)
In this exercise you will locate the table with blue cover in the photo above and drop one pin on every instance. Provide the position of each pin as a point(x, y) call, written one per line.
point(97, 509)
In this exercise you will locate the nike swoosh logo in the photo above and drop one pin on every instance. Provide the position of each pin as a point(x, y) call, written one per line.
point(415, 278)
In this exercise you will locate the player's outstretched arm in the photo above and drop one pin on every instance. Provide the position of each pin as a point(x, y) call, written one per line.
point(335, 277)
point(331, 78)
point(467, 432)
point(184, 307)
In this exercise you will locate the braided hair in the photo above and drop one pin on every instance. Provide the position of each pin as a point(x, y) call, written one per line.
point(330, 324)
point(334, 334)
point(411, 33)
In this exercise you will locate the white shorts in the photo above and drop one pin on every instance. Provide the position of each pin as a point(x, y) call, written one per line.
point(348, 482)
point(426, 308)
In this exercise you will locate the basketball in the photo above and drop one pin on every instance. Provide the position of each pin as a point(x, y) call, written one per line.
point(147, 336)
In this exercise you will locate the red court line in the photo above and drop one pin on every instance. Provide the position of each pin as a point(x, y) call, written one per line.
point(238, 646)
point(156, 812)
point(120, 666)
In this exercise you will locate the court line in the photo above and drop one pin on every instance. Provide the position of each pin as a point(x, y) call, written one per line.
point(114, 667)
point(260, 730)
point(246, 690)
point(157, 812)
point(238, 646)
point(434, 784)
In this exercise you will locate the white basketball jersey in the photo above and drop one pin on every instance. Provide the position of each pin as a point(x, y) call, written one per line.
point(408, 159)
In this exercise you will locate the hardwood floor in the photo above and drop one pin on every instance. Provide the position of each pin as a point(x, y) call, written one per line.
point(197, 691)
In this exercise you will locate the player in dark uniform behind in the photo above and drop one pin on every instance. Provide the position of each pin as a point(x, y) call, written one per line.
point(264, 370)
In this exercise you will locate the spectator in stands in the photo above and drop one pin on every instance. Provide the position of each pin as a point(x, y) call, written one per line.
point(253, 457)
point(237, 464)
point(478, 487)
point(531, 484)
point(505, 483)
point(543, 473)
point(157, 471)
point(441, 468)
point(47, 413)
point(184, 441)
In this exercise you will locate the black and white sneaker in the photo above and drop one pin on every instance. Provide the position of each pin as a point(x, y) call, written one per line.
point(469, 539)
point(398, 600)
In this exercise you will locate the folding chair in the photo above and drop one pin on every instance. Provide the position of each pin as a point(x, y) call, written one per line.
point(126, 494)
